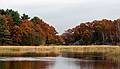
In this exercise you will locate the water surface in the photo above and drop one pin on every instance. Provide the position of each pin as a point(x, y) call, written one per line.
point(53, 63)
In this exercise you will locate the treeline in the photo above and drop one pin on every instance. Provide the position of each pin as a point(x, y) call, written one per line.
point(23, 30)
point(98, 32)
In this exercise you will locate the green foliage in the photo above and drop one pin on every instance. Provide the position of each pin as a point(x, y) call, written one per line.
point(24, 16)
point(4, 33)
point(26, 39)
point(2, 12)
point(36, 41)
point(15, 16)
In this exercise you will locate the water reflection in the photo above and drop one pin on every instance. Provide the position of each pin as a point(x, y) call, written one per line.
point(97, 65)
point(56, 63)
point(25, 65)
point(65, 63)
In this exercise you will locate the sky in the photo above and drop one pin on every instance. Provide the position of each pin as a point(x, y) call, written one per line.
point(65, 14)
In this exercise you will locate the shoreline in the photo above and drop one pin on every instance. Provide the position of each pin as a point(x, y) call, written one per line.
point(105, 52)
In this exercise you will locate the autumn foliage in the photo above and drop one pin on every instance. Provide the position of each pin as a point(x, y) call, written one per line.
point(21, 30)
point(99, 32)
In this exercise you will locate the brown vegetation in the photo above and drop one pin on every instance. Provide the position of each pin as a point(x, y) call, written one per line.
point(99, 32)
point(103, 52)
point(21, 30)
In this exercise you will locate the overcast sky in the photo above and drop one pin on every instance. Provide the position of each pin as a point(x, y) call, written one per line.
point(64, 14)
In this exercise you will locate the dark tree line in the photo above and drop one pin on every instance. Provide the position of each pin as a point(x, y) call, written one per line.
point(99, 32)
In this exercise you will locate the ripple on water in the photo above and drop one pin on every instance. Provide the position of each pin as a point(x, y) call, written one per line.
point(37, 59)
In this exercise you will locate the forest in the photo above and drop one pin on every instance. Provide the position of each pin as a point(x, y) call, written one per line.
point(97, 32)
point(21, 30)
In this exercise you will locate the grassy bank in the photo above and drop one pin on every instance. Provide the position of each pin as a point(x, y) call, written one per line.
point(111, 53)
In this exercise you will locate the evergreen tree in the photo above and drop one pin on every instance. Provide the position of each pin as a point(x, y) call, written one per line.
point(24, 16)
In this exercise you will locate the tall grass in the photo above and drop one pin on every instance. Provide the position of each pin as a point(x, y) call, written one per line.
point(111, 53)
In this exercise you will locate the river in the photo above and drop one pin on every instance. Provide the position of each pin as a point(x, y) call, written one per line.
point(53, 63)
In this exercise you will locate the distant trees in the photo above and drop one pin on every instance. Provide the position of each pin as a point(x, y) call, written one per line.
point(21, 30)
point(4, 32)
point(14, 14)
point(46, 32)
point(96, 32)
point(26, 32)
point(24, 16)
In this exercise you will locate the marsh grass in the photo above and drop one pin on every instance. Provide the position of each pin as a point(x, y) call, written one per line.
point(104, 52)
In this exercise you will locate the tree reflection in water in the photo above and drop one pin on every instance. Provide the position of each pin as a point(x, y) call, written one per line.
point(58, 63)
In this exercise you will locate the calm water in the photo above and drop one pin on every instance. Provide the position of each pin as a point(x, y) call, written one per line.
point(53, 63)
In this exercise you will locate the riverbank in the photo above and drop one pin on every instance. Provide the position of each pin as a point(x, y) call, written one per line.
point(105, 52)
